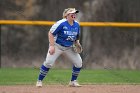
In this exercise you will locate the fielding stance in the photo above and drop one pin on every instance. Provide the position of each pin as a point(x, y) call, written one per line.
point(63, 36)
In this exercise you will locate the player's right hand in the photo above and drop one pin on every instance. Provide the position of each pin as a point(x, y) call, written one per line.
point(51, 50)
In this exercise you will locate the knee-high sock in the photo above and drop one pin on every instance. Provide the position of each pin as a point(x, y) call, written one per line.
point(75, 73)
point(43, 72)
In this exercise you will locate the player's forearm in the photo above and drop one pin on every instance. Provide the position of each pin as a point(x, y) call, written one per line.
point(51, 38)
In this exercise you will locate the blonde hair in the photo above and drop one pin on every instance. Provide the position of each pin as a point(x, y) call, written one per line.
point(66, 11)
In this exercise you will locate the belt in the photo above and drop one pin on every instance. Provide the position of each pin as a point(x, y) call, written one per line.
point(63, 45)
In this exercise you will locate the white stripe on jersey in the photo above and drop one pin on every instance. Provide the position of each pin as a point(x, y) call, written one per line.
point(54, 27)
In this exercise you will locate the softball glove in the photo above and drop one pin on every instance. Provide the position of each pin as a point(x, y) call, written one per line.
point(77, 47)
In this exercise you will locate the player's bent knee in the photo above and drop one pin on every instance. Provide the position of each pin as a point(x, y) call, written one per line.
point(48, 63)
point(78, 65)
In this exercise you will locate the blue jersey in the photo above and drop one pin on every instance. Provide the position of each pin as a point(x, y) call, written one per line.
point(64, 33)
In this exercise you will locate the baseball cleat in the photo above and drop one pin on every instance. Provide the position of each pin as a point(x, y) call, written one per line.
point(74, 84)
point(39, 83)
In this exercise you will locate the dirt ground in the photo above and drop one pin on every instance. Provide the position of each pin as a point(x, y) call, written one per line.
point(67, 89)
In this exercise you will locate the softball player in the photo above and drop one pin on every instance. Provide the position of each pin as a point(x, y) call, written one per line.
point(62, 36)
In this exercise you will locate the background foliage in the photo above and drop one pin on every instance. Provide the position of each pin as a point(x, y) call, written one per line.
point(26, 46)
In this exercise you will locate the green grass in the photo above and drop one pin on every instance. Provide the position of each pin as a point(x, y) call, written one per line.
point(14, 76)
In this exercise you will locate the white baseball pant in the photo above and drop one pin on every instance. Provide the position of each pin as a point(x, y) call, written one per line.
point(68, 51)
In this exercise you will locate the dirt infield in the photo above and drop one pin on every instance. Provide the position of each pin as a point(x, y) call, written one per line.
point(66, 89)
